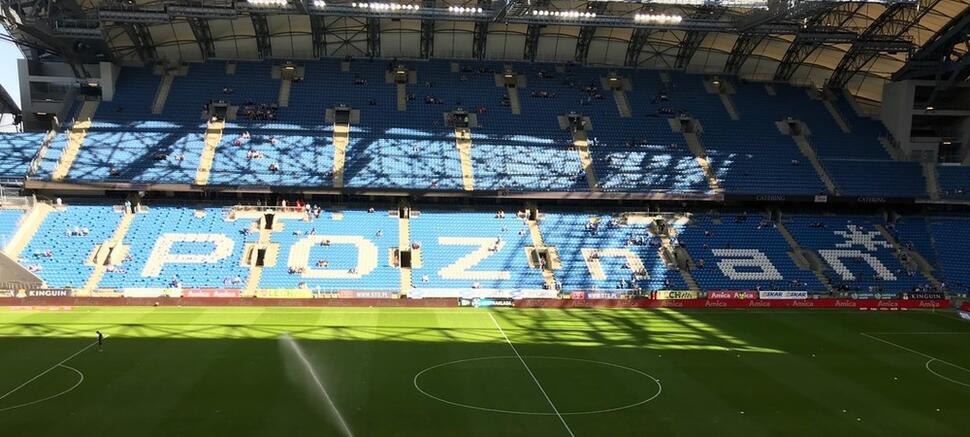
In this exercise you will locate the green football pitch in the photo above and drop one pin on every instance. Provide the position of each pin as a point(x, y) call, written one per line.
point(220, 371)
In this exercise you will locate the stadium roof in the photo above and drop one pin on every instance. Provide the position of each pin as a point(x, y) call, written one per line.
point(851, 44)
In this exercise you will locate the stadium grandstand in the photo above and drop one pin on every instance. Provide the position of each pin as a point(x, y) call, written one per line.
point(173, 160)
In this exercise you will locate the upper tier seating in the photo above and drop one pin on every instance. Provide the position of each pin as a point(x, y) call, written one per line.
point(857, 255)
point(641, 153)
point(526, 152)
point(954, 181)
point(749, 155)
point(575, 240)
point(877, 178)
point(16, 152)
point(742, 252)
point(415, 149)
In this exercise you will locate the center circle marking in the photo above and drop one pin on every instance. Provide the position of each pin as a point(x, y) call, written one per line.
point(656, 381)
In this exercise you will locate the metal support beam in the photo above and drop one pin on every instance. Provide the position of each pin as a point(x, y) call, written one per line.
point(586, 33)
point(427, 33)
point(532, 41)
point(373, 37)
point(261, 27)
point(692, 40)
point(937, 54)
point(825, 27)
point(480, 39)
point(744, 46)
point(200, 28)
point(637, 40)
point(892, 25)
point(318, 26)
point(142, 39)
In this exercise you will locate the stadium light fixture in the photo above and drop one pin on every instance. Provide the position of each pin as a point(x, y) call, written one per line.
point(464, 10)
point(268, 3)
point(565, 15)
point(319, 4)
point(386, 6)
point(930, 108)
point(658, 18)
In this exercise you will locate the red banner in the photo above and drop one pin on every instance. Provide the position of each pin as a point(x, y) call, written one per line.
point(352, 294)
point(965, 307)
point(725, 294)
point(211, 292)
point(862, 304)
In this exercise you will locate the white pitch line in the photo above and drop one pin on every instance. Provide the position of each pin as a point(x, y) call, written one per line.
point(47, 371)
point(930, 369)
point(915, 351)
point(516, 352)
point(920, 333)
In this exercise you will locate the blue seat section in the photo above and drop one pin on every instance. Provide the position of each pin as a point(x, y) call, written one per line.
point(415, 149)
point(57, 146)
point(66, 267)
point(303, 158)
point(521, 152)
point(827, 138)
point(877, 178)
point(138, 156)
point(9, 219)
point(522, 163)
point(954, 181)
point(750, 155)
point(528, 152)
point(377, 229)
point(914, 233)
point(641, 153)
point(53, 155)
point(868, 261)
point(404, 158)
point(950, 236)
point(16, 152)
point(743, 253)
point(432, 230)
point(568, 233)
point(138, 145)
point(182, 225)
point(145, 147)
point(388, 149)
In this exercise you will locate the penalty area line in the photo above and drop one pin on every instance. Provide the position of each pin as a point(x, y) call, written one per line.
point(41, 374)
point(528, 369)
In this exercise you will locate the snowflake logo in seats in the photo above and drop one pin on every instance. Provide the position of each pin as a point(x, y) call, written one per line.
point(857, 236)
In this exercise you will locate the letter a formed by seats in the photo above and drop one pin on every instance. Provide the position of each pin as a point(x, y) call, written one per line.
point(750, 258)
point(596, 268)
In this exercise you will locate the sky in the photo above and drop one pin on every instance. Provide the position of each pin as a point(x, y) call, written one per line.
point(9, 53)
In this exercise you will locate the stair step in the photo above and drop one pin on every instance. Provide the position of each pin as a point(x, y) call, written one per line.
point(341, 138)
point(213, 136)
